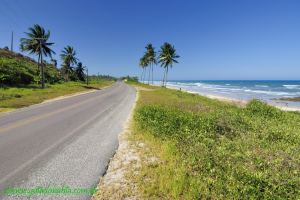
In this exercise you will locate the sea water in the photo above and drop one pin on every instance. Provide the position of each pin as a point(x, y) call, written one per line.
point(269, 91)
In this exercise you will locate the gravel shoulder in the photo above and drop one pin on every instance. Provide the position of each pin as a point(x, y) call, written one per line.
point(123, 176)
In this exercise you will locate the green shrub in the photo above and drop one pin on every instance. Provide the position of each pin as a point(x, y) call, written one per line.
point(229, 153)
point(15, 72)
point(23, 72)
point(258, 108)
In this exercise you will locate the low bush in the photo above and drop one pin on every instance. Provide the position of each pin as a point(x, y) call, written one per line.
point(23, 72)
point(227, 152)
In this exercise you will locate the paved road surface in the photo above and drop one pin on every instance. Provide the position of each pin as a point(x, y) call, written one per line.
point(66, 142)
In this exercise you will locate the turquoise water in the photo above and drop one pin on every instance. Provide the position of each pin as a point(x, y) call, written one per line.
point(268, 91)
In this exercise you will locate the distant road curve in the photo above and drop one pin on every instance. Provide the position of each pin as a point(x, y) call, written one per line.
point(66, 142)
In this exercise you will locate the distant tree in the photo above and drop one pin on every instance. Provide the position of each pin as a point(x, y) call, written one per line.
point(129, 78)
point(79, 71)
point(6, 48)
point(54, 62)
point(167, 57)
point(143, 64)
point(151, 59)
point(68, 56)
point(37, 43)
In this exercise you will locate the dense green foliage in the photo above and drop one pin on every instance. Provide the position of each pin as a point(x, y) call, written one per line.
point(80, 71)
point(15, 71)
point(96, 78)
point(19, 70)
point(20, 76)
point(220, 151)
point(130, 79)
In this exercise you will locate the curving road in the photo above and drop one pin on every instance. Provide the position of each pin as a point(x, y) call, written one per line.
point(66, 142)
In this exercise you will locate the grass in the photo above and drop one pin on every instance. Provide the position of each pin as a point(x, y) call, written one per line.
point(21, 70)
point(210, 149)
point(18, 97)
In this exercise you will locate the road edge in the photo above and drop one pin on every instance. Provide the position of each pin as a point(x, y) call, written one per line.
point(53, 100)
point(113, 184)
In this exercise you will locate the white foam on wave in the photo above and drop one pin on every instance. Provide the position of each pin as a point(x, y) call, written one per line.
point(189, 84)
point(259, 91)
point(235, 89)
point(199, 84)
point(292, 86)
point(264, 86)
point(183, 84)
point(267, 92)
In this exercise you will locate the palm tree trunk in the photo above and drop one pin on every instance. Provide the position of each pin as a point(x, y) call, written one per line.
point(142, 74)
point(38, 66)
point(149, 74)
point(163, 81)
point(152, 74)
point(42, 71)
point(166, 76)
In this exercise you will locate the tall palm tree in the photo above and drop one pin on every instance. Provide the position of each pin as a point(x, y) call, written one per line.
point(68, 56)
point(151, 57)
point(143, 64)
point(167, 57)
point(79, 70)
point(37, 43)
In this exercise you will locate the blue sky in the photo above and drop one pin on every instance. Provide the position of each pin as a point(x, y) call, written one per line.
point(216, 39)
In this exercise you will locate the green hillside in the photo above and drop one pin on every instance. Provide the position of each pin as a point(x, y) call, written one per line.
point(17, 69)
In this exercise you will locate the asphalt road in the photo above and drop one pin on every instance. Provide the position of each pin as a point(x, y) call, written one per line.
point(66, 142)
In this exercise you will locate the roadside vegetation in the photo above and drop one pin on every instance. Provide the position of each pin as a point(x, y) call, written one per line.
point(24, 81)
point(130, 79)
point(17, 69)
point(22, 96)
point(20, 83)
point(208, 149)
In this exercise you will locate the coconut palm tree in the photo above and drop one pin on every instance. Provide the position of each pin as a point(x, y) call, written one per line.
point(68, 56)
point(79, 70)
point(167, 57)
point(37, 43)
point(143, 64)
point(151, 57)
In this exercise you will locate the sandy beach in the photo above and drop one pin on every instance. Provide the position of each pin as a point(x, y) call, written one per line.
point(284, 107)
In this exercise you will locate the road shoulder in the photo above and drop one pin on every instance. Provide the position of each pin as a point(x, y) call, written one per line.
point(120, 179)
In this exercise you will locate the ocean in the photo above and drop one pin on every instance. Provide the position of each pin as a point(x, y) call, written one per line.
point(268, 91)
